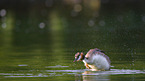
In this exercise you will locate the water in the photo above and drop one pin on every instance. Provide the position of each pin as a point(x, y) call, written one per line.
point(38, 42)
point(84, 74)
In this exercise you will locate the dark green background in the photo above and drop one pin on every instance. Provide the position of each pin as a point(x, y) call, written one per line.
point(45, 33)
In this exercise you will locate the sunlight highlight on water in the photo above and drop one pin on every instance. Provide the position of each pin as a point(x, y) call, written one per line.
point(114, 72)
point(83, 72)
point(57, 66)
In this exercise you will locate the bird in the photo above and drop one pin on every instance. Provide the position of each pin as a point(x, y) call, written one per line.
point(95, 60)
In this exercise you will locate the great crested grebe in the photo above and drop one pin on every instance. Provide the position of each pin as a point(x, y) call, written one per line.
point(94, 59)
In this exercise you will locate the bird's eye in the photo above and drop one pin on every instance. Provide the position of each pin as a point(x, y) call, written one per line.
point(86, 57)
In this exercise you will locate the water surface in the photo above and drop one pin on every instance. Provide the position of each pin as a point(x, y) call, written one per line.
point(38, 41)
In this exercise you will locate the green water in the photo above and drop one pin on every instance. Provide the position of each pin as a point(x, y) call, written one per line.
point(38, 41)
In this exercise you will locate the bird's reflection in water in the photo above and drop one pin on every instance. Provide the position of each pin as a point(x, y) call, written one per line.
point(94, 76)
point(78, 77)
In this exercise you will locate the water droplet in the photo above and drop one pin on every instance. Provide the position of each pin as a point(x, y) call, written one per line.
point(91, 23)
point(102, 23)
point(42, 25)
point(3, 12)
point(4, 25)
point(77, 8)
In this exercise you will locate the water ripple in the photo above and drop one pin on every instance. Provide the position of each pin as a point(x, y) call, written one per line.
point(114, 72)
point(84, 72)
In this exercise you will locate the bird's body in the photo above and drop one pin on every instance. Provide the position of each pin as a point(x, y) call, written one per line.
point(95, 60)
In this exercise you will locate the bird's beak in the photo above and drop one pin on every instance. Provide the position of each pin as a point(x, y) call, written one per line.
point(75, 59)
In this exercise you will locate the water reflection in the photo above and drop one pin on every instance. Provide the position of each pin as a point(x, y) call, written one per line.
point(96, 78)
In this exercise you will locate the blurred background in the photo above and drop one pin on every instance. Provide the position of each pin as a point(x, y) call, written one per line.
point(40, 33)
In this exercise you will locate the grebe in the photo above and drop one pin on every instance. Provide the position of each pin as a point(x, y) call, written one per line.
point(94, 59)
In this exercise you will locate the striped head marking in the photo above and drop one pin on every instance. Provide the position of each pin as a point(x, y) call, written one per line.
point(79, 56)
